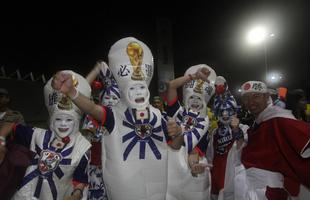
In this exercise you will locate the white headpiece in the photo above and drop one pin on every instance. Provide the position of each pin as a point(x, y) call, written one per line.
point(131, 63)
point(199, 88)
point(253, 86)
point(57, 103)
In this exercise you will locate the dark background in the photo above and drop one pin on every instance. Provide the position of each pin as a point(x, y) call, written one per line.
point(50, 38)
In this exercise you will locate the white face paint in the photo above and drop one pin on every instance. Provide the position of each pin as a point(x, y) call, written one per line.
point(138, 95)
point(110, 100)
point(195, 103)
point(63, 125)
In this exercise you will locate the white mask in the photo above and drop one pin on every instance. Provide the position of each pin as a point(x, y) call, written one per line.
point(195, 103)
point(63, 124)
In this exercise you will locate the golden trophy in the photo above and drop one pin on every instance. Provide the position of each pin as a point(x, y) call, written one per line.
point(135, 53)
point(65, 102)
point(198, 87)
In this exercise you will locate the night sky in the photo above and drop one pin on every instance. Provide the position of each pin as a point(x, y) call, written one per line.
point(44, 41)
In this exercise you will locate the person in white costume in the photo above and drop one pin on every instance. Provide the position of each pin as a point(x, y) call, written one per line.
point(58, 170)
point(135, 150)
point(101, 79)
point(188, 173)
point(276, 150)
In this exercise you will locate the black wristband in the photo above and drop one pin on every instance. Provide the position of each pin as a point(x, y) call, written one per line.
point(77, 189)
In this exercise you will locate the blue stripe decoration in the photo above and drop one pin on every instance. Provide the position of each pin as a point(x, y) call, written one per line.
point(125, 123)
point(164, 128)
point(29, 177)
point(200, 119)
point(38, 188)
point(116, 92)
point(65, 161)
point(157, 137)
point(59, 173)
point(200, 126)
point(154, 120)
point(46, 139)
point(164, 115)
point(142, 150)
point(157, 129)
point(179, 116)
point(52, 148)
point(140, 122)
point(130, 147)
point(53, 187)
point(189, 142)
point(154, 149)
point(164, 125)
point(194, 115)
point(67, 152)
point(38, 149)
point(129, 117)
point(129, 136)
point(196, 133)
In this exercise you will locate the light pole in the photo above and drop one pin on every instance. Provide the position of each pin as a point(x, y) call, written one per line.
point(266, 62)
point(256, 36)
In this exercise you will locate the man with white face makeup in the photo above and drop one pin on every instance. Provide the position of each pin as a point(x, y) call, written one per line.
point(137, 93)
point(195, 103)
point(58, 170)
point(64, 125)
point(135, 158)
point(188, 173)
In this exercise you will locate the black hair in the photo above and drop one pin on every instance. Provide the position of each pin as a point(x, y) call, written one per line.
point(292, 103)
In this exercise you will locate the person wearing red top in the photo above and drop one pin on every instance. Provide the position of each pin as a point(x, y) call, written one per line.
point(277, 150)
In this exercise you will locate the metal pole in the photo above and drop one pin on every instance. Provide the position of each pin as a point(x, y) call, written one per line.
point(266, 62)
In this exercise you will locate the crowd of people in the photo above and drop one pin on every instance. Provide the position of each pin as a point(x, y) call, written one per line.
point(106, 141)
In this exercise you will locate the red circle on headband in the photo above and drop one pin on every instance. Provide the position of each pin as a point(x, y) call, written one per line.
point(247, 86)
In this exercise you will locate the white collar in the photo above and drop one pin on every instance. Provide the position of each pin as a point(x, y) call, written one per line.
point(272, 112)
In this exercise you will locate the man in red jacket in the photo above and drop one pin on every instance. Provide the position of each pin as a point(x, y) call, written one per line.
point(277, 148)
